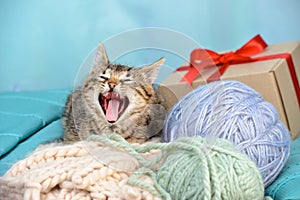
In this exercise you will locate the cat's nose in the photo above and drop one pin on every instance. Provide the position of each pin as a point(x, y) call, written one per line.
point(111, 86)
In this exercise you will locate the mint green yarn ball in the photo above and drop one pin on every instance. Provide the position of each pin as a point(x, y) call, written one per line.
point(197, 168)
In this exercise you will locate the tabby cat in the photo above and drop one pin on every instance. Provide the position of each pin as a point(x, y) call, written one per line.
point(115, 99)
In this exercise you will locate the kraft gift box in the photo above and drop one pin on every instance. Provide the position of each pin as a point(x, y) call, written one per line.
point(273, 78)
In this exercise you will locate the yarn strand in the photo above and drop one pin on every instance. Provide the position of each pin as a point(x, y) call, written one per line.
point(156, 190)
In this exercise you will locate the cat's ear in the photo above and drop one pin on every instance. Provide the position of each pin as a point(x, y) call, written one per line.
point(101, 58)
point(150, 72)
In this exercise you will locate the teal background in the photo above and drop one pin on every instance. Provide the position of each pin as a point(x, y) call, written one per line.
point(44, 42)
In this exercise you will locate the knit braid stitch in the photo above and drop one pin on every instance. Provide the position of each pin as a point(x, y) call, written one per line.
point(71, 172)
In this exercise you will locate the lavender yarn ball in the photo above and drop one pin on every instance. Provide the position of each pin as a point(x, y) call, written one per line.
point(233, 111)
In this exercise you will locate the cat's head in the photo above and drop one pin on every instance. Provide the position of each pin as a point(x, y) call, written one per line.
point(117, 91)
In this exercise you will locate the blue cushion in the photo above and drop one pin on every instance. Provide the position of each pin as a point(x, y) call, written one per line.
point(28, 119)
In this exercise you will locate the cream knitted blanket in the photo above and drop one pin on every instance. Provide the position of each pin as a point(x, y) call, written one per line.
point(84, 170)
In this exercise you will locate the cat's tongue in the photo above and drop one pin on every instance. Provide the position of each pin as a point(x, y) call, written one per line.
point(112, 111)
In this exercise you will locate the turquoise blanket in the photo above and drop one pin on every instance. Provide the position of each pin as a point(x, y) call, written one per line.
point(287, 184)
point(28, 119)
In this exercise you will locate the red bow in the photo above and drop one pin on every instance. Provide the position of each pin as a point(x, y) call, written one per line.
point(204, 58)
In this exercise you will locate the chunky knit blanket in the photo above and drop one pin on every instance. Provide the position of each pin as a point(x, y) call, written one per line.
point(84, 170)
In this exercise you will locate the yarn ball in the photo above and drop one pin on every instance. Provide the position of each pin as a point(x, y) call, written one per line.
point(233, 111)
point(198, 169)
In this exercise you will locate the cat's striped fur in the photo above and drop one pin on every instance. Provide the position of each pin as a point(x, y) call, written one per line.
point(140, 113)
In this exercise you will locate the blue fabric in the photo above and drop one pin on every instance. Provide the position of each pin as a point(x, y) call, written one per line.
point(287, 184)
point(28, 119)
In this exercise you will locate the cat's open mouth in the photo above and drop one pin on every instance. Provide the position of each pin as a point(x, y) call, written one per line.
point(113, 105)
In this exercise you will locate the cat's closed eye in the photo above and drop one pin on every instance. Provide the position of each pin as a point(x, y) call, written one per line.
point(103, 77)
point(127, 80)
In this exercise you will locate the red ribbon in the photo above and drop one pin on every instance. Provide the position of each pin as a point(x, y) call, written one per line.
point(204, 58)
